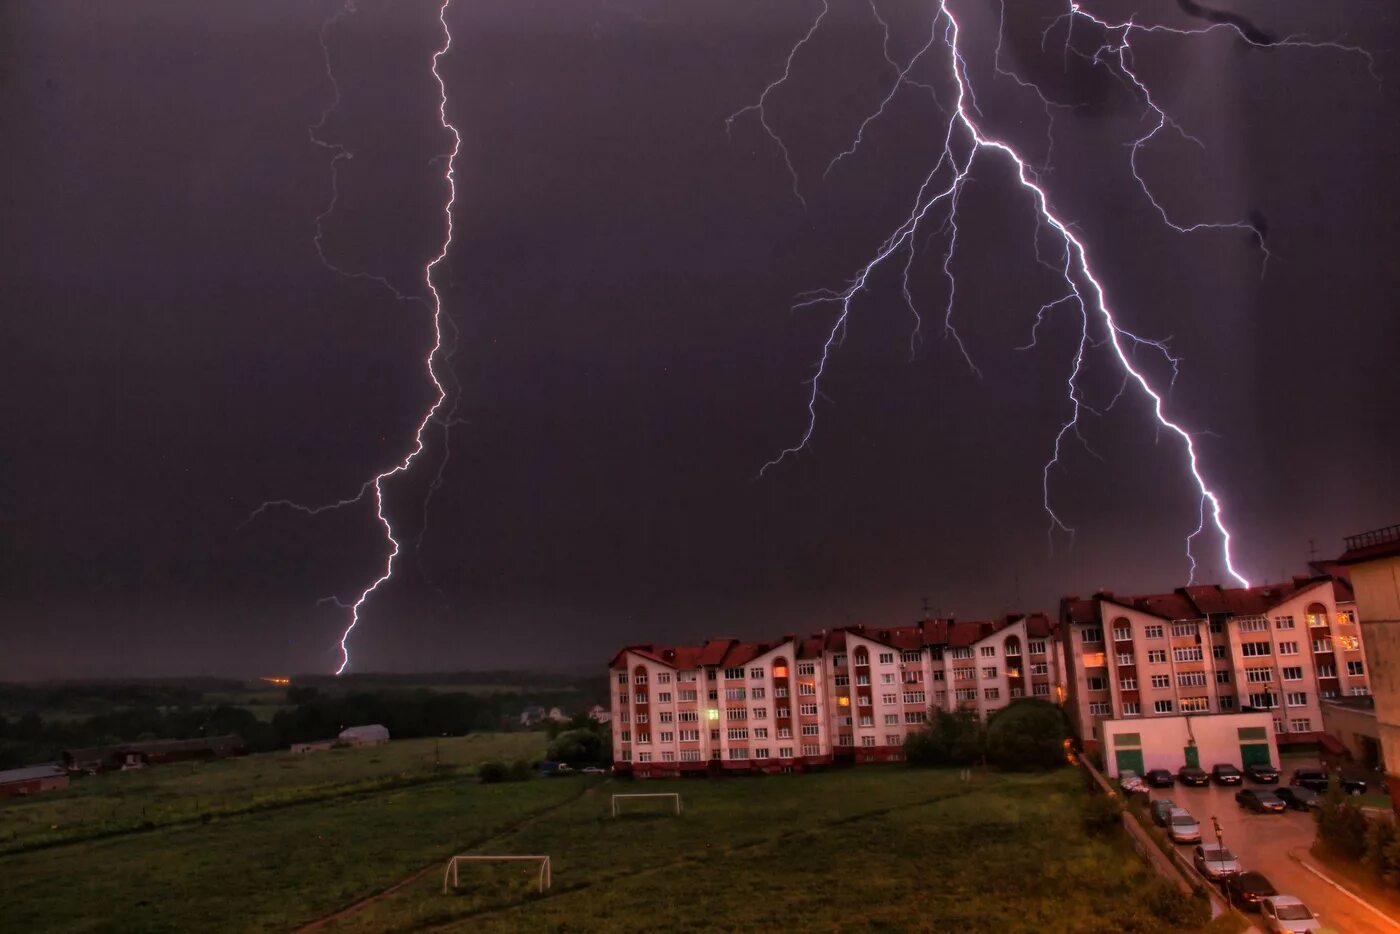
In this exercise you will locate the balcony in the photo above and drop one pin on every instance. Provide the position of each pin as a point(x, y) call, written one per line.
point(1386, 536)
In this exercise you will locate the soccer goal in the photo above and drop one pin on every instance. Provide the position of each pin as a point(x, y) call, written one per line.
point(669, 794)
point(449, 878)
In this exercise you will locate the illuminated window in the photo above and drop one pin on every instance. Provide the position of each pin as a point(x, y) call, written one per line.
point(712, 714)
point(780, 671)
point(843, 701)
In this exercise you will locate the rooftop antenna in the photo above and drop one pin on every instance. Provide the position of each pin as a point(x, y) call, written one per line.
point(1312, 551)
point(925, 609)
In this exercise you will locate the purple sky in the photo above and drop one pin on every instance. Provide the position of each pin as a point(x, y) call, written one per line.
point(620, 283)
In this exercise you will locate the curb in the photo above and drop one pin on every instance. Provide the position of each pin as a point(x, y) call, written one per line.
point(1341, 888)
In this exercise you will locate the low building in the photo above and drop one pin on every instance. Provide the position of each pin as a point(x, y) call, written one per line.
point(532, 716)
point(152, 752)
point(600, 714)
point(17, 783)
point(1144, 743)
point(1352, 721)
point(370, 734)
point(318, 746)
point(1373, 558)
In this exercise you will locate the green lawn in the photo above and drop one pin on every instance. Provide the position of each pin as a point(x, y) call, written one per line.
point(123, 801)
point(875, 848)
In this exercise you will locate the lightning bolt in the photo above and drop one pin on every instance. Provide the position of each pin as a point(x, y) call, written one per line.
point(938, 196)
point(431, 299)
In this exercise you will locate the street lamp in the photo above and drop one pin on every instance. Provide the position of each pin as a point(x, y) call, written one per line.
point(1220, 852)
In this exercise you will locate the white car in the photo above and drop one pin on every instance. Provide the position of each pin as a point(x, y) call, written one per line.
point(1182, 827)
point(1129, 780)
point(1215, 861)
point(1288, 914)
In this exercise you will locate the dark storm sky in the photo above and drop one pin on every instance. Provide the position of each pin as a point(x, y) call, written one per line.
point(620, 283)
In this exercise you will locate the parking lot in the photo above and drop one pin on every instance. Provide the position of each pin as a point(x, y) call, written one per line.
point(1268, 843)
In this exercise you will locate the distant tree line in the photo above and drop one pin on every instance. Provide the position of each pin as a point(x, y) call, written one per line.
point(149, 712)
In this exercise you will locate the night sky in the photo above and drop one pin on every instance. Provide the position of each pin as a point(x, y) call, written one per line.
point(626, 358)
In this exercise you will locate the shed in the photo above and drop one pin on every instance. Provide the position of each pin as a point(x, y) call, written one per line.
point(371, 734)
point(36, 778)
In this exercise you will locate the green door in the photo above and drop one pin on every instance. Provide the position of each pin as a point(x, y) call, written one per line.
point(1193, 757)
point(1129, 759)
point(1254, 754)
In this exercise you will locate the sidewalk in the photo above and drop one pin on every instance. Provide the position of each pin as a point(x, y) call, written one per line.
point(1305, 859)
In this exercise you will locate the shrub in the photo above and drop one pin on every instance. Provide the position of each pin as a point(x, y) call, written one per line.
point(1341, 827)
point(492, 772)
point(1172, 906)
point(520, 771)
point(1380, 847)
point(947, 739)
point(1102, 815)
point(1027, 734)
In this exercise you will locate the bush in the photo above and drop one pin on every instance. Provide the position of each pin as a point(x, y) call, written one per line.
point(1380, 845)
point(520, 771)
point(1102, 815)
point(1027, 734)
point(1172, 906)
point(492, 772)
point(1341, 827)
point(947, 739)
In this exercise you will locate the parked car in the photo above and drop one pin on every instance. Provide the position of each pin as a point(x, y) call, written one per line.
point(1192, 775)
point(1225, 774)
point(1259, 801)
point(1159, 778)
point(1247, 889)
point(1162, 811)
point(1182, 827)
point(1317, 780)
point(1129, 780)
point(1262, 773)
point(1297, 798)
point(594, 770)
point(1215, 861)
point(1287, 913)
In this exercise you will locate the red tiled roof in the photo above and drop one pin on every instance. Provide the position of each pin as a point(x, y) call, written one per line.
point(1077, 610)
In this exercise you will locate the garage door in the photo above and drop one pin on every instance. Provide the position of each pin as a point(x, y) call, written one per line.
point(1129, 759)
point(1254, 754)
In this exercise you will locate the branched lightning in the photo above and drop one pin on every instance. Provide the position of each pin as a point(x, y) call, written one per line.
point(431, 299)
point(938, 195)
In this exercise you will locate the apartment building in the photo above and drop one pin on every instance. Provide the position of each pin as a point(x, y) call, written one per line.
point(843, 695)
point(1280, 648)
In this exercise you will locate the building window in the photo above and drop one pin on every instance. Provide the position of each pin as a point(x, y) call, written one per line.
point(808, 710)
point(738, 753)
point(886, 658)
point(738, 734)
point(867, 741)
point(989, 651)
point(1091, 634)
point(915, 716)
point(734, 694)
point(1217, 626)
point(867, 720)
point(989, 672)
point(690, 755)
point(690, 736)
point(863, 681)
point(1100, 709)
point(664, 697)
point(639, 698)
point(992, 693)
point(783, 713)
point(668, 737)
point(806, 668)
point(1346, 617)
point(1152, 632)
point(1288, 648)
point(1356, 668)
point(1218, 651)
point(1254, 649)
point(666, 716)
point(1040, 690)
point(964, 652)
point(761, 752)
point(1096, 684)
point(1181, 630)
point(863, 700)
point(1227, 702)
point(1322, 645)
point(1190, 653)
point(1360, 691)
point(843, 680)
point(687, 676)
point(910, 655)
point(1122, 633)
point(626, 755)
point(1162, 706)
point(758, 693)
point(1258, 675)
point(1195, 704)
point(714, 736)
point(1326, 670)
point(1283, 622)
point(1040, 668)
point(806, 689)
point(686, 696)
point(838, 661)
point(1301, 725)
point(733, 674)
point(845, 739)
point(642, 718)
point(622, 698)
point(626, 736)
point(1132, 709)
point(760, 732)
point(756, 673)
point(1222, 676)
point(1317, 620)
point(760, 713)
point(1191, 679)
point(737, 713)
point(1036, 648)
point(1254, 624)
point(811, 750)
point(891, 719)
point(1296, 698)
point(1127, 684)
point(1278, 725)
point(1125, 658)
point(784, 732)
point(1293, 673)
point(889, 698)
point(965, 694)
point(712, 694)
point(1161, 681)
point(914, 697)
point(1156, 656)
point(640, 679)
point(1266, 700)
point(964, 674)
point(1011, 649)
point(643, 737)
point(689, 716)
point(810, 729)
point(887, 678)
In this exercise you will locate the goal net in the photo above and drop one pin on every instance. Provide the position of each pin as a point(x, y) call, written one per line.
point(619, 800)
point(451, 878)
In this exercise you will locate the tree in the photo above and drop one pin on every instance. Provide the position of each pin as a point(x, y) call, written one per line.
point(1027, 734)
point(947, 739)
point(577, 748)
point(1341, 827)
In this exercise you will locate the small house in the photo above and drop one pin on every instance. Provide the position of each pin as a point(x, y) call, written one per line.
point(371, 734)
point(17, 783)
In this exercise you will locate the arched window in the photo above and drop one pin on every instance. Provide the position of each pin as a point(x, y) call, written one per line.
point(1317, 615)
point(862, 656)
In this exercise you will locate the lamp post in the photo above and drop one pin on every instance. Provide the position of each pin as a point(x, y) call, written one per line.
point(1220, 851)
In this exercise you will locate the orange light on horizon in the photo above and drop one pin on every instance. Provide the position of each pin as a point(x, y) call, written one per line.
point(276, 680)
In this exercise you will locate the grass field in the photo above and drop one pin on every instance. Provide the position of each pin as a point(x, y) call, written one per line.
point(868, 849)
point(140, 799)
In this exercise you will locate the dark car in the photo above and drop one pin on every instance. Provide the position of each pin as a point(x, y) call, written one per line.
point(1162, 811)
point(1159, 778)
point(1226, 775)
point(1298, 799)
point(1192, 775)
point(1262, 773)
point(1259, 801)
point(1247, 888)
point(1317, 780)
